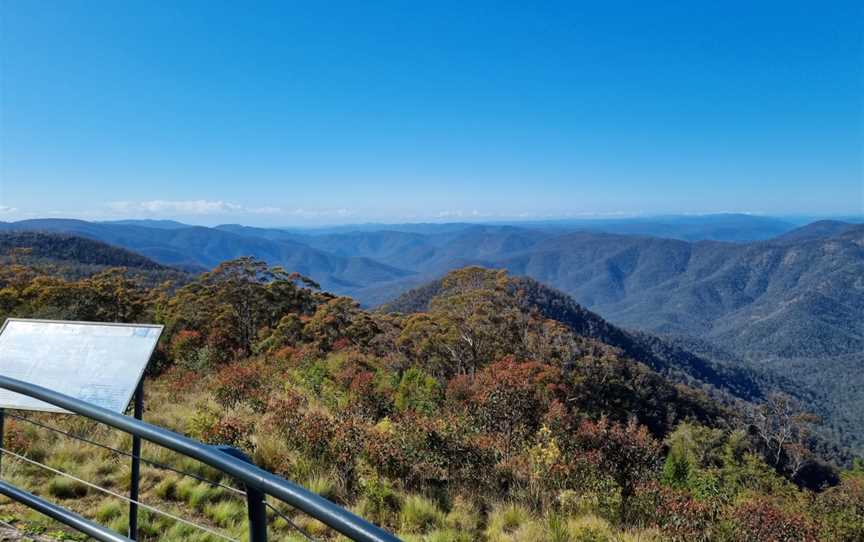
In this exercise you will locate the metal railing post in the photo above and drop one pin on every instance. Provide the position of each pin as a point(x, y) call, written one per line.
point(256, 507)
point(135, 482)
point(257, 513)
point(2, 435)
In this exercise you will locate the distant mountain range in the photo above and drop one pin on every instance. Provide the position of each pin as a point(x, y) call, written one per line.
point(374, 263)
point(717, 227)
point(195, 248)
point(744, 296)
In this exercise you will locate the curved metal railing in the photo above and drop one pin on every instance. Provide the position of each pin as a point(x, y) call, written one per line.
point(62, 515)
point(257, 480)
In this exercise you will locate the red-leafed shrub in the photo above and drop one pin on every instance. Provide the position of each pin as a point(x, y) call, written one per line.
point(559, 420)
point(332, 441)
point(424, 452)
point(341, 344)
point(759, 520)
point(231, 431)
point(180, 379)
point(509, 399)
point(16, 438)
point(303, 354)
point(369, 395)
point(362, 383)
point(385, 452)
point(627, 454)
point(284, 412)
point(840, 509)
point(366, 398)
point(459, 390)
point(185, 344)
point(222, 338)
point(240, 383)
point(345, 447)
point(313, 434)
point(680, 516)
point(286, 353)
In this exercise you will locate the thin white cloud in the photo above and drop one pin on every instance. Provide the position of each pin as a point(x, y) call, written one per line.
point(187, 207)
point(320, 213)
point(215, 210)
point(459, 213)
point(7, 210)
point(449, 214)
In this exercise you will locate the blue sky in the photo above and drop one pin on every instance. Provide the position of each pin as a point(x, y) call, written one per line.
point(291, 113)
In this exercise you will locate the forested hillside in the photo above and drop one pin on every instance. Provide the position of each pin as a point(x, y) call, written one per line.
point(44, 246)
point(74, 257)
point(786, 299)
point(662, 356)
point(503, 412)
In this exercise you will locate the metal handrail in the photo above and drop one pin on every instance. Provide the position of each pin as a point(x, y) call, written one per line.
point(80, 524)
point(251, 476)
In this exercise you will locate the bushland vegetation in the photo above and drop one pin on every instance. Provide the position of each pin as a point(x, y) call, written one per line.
point(479, 419)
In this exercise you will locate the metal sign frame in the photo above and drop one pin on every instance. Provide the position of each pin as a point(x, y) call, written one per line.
point(139, 377)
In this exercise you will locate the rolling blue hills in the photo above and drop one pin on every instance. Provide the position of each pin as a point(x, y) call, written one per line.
point(200, 248)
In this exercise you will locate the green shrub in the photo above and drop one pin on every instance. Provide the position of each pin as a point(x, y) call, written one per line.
point(120, 523)
point(556, 529)
point(420, 515)
point(312, 526)
point(440, 535)
point(150, 526)
point(312, 376)
point(109, 511)
point(184, 487)
point(167, 489)
point(196, 494)
point(201, 495)
point(379, 503)
point(65, 488)
point(450, 535)
point(418, 391)
point(226, 513)
point(463, 516)
point(589, 529)
point(506, 519)
point(324, 486)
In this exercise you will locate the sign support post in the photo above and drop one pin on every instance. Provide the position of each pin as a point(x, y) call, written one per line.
point(135, 482)
point(2, 435)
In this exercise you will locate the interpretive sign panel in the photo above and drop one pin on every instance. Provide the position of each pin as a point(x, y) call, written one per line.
point(95, 362)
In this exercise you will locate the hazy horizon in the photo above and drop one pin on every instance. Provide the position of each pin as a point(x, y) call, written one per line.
point(347, 223)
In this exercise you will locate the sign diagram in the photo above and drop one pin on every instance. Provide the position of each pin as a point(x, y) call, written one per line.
point(95, 362)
